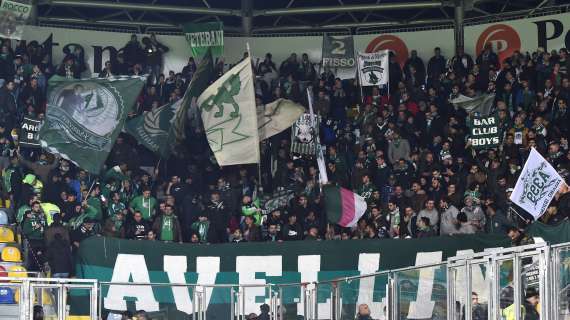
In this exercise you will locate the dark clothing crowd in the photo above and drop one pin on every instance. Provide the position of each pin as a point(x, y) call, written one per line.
point(403, 149)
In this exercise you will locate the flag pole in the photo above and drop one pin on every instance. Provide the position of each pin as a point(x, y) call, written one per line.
point(358, 80)
point(319, 152)
point(259, 183)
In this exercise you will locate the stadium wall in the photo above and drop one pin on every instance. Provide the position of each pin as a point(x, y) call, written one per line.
point(550, 32)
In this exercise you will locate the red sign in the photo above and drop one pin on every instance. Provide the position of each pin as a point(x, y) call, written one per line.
point(392, 43)
point(504, 40)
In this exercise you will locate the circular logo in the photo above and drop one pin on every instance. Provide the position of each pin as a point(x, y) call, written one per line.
point(392, 43)
point(92, 105)
point(504, 40)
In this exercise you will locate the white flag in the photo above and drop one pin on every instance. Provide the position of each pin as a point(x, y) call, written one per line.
point(277, 116)
point(537, 185)
point(230, 117)
point(373, 68)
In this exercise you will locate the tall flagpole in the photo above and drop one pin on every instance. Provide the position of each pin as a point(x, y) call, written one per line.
point(319, 152)
point(259, 184)
point(358, 79)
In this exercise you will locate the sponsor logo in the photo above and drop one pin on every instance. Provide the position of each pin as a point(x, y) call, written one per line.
point(504, 40)
point(392, 43)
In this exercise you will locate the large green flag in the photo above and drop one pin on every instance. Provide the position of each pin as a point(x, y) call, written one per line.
point(152, 129)
point(202, 36)
point(200, 81)
point(230, 117)
point(84, 117)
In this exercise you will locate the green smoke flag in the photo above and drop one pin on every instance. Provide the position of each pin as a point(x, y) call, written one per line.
point(84, 117)
point(202, 36)
point(200, 81)
point(152, 129)
point(230, 117)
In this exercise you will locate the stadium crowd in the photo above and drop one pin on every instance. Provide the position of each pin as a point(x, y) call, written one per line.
point(404, 151)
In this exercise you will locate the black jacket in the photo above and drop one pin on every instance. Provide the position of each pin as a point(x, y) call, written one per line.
point(135, 230)
point(218, 215)
point(59, 256)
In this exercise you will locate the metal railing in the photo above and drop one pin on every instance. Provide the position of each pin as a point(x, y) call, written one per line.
point(500, 278)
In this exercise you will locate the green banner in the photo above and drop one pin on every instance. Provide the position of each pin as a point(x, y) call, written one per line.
point(202, 36)
point(552, 234)
point(200, 81)
point(484, 132)
point(152, 129)
point(84, 117)
point(108, 259)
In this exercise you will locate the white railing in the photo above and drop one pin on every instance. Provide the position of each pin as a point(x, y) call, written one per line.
point(441, 291)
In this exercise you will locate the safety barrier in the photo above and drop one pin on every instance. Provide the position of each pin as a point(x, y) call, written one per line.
point(485, 285)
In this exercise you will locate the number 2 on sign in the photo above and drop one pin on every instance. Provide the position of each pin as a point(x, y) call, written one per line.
point(338, 47)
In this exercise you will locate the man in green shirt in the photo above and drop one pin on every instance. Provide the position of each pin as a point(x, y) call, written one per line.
point(201, 227)
point(367, 188)
point(167, 226)
point(33, 228)
point(25, 207)
point(94, 201)
point(116, 206)
point(12, 180)
point(145, 204)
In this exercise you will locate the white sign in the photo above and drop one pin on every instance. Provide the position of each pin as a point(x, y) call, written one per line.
point(373, 68)
point(537, 185)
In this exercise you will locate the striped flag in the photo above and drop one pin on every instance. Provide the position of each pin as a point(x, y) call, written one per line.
point(343, 206)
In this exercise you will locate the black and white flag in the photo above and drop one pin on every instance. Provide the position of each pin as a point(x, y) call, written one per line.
point(373, 68)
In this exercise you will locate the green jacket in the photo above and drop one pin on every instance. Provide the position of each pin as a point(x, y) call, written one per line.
point(201, 228)
point(115, 208)
point(252, 210)
point(146, 206)
point(11, 176)
point(33, 227)
point(22, 212)
point(97, 207)
point(366, 191)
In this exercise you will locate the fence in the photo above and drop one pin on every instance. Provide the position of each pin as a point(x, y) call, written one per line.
point(486, 285)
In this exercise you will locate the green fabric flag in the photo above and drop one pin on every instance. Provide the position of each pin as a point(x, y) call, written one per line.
point(559, 233)
point(202, 36)
point(152, 129)
point(84, 117)
point(200, 81)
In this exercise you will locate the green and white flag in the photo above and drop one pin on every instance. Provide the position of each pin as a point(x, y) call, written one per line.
point(152, 128)
point(484, 132)
point(13, 17)
point(202, 36)
point(537, 185)
point(481, 104)
point(84, 117)
point(230, 117)
point(200, 81)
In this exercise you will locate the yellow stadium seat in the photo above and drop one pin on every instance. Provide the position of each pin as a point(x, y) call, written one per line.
point(6, 235)
point(17, 272)
point(17, 295)
point(11, 254)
